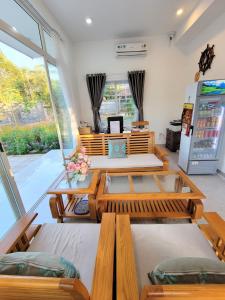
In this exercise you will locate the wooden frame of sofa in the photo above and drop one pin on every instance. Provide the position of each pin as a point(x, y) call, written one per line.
point(40, 288)
point(137, 143)
point(127, 286)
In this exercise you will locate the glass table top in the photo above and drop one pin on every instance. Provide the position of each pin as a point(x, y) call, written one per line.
point(66, 182)
point(144, 184)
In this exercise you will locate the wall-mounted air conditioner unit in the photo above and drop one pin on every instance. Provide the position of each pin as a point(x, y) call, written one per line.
point(131, 49)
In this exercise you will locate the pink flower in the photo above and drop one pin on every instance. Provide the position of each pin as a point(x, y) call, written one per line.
point(79, 163)
point(71, 166)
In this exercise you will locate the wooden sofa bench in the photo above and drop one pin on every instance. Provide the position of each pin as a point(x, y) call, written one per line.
point(131, 271)
point(142, 152)
point(21, 238)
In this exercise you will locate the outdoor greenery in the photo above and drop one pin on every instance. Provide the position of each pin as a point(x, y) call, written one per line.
point(117, 100)
point(24, 89)
point(38, 138)
point(21, 87)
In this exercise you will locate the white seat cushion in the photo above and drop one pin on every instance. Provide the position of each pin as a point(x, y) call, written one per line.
point(131, 161)
point(157, 242)
point(76, 242)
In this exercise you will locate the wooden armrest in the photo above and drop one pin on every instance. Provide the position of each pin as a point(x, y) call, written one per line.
point(16, 232)
point(161, 152)
point(102, 285)
point(216, 223)
point(32, 231)
point(184, 291)
point(126, 276)
point(41, 288)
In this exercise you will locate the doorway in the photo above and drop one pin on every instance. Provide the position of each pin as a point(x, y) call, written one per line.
point(27, 124)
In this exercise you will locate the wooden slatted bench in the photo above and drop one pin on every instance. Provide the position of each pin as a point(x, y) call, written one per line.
point(136, 143)
point(128, 267)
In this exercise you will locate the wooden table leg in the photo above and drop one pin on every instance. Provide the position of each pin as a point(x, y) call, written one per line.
point(195, 208)
point(57, 207)
point(92, 207)
point(101, 208)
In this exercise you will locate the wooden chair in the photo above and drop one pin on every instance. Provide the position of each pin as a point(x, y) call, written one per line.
point(127, 284)
point(40, 288)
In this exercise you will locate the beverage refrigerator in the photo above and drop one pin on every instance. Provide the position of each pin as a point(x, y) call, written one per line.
point(202, 137)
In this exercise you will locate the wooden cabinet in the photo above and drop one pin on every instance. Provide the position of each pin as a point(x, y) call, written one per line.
point(173, 140)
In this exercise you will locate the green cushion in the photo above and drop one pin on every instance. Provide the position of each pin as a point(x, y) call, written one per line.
point(191, 270)
point(36, 264)
point(117, 148)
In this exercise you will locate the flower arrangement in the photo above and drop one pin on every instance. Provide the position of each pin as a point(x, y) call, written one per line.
point(79, 165)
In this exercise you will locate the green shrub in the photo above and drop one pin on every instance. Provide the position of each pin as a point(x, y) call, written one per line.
point(38, 138)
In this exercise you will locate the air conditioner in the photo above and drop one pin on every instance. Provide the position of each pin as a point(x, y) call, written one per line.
point(131, 49)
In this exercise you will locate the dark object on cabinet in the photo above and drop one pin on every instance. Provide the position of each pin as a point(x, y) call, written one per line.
point(173, 140)
point(114, 129)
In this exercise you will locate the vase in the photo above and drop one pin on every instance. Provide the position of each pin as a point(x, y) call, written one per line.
point(81, 177)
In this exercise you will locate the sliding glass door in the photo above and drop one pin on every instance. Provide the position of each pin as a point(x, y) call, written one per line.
point(11, 206)
point(28, 129)
point(35, 126)
point(61, 109)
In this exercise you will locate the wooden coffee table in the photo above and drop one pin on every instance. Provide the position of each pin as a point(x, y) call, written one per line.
point(162, 194)
point(67, 192)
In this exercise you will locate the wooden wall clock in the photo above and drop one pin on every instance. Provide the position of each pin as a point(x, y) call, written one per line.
point(205, 61)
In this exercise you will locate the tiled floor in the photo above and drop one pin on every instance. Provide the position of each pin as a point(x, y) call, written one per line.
point(213, 186)
point(35, 173)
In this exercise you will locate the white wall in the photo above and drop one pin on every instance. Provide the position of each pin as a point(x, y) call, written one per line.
point(165, 77)
point(169, 69)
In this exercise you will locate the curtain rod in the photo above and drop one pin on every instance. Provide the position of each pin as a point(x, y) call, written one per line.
point(33, 12)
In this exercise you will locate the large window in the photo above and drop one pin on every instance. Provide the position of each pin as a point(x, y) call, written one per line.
point(34, 116)
point(20, 21)
point(118, 101)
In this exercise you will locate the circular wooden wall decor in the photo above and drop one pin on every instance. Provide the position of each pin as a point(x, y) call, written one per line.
point(205, 61)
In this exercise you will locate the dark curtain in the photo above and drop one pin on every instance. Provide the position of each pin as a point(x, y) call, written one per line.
point(96, 84)
point(136, 81)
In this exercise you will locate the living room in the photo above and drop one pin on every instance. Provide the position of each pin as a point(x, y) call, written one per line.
point(112, 139)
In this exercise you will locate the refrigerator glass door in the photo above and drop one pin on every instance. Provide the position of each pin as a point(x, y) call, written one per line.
point(207, 129)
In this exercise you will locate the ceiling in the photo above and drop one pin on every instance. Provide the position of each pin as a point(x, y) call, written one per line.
point(114, 19)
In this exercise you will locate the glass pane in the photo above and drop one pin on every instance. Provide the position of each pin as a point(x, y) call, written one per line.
point(70, 183)
point(169, 183)
point(207, 129)
point(7, 215)
point(117, 184)
point(20, 21)
point(50, 46)
point(27, 125)
point(117, 100)
point(61, 110)
point(145, 184)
